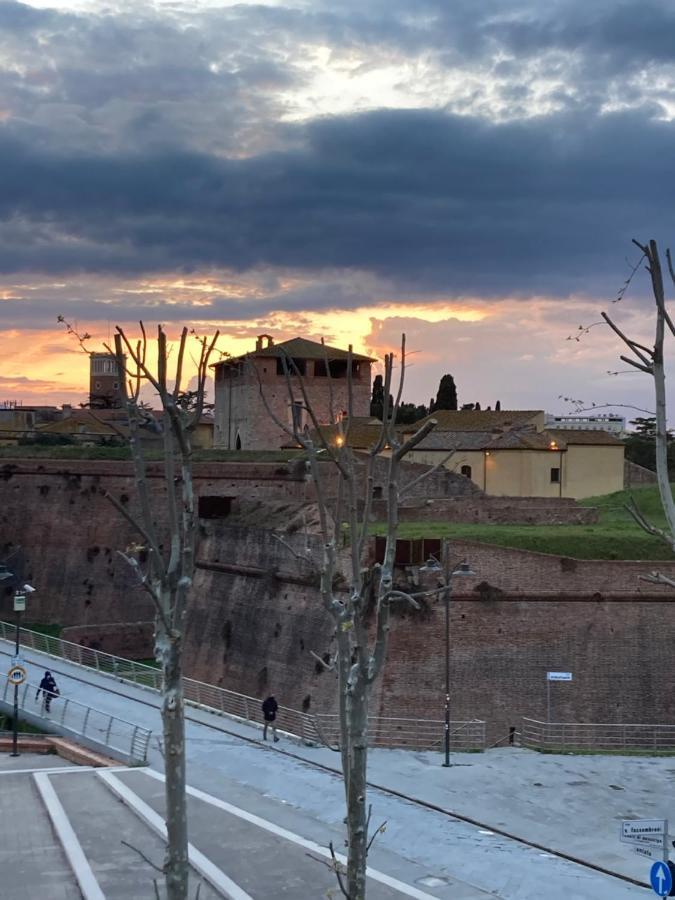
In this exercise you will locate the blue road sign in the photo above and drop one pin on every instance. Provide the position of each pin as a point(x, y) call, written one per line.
point(661, 879)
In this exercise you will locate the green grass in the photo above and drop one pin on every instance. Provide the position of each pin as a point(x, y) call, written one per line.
point(49, 630)
point(41, 451)
point(615, 536)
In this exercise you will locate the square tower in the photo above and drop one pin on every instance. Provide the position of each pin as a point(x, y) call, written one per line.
point(242, 421)
point(105, 382)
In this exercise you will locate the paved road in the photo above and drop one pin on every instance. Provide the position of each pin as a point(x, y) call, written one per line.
point(436, 855)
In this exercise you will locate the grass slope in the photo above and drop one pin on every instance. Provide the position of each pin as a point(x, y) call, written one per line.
point(615, 536)
point(41, 451)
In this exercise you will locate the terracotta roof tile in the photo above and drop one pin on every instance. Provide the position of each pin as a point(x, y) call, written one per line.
point(479, 419)
point(298, 348)
point(587, 436)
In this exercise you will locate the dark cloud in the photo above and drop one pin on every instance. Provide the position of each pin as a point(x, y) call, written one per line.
point(427, 199)
point(38, 311)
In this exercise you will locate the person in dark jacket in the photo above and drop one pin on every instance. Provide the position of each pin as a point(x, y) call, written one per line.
point(48, 688)
point(269, 708)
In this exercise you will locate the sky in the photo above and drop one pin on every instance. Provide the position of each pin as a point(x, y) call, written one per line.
point(470, 174)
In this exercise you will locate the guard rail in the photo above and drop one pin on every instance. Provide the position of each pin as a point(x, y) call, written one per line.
point(77, 718)
point(590, 736)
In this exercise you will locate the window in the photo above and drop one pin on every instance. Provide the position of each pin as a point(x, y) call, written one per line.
point(214, 507)
point(466, 471)
point(116, 385)
point(297, 417)
point(97, 385)
point(295, 366)
point(237, 443)
point(104, 366)
point(377, 492)
point(555, 476)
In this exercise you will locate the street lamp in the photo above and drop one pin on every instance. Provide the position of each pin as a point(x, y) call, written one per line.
point(462, 570)
point(19, 607)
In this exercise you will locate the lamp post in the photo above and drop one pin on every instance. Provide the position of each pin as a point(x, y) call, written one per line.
point(463, 569)
point(19, 608)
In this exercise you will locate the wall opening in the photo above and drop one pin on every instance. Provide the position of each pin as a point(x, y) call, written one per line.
point(555, 475)
point(466, 471)
point(214, 507)
point(293, 366)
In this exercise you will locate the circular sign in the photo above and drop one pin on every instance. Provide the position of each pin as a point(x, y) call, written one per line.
point(17, 674)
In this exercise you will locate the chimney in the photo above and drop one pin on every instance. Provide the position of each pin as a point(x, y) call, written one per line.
point(259, 342)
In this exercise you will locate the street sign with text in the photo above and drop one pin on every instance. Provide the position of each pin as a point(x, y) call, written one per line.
point(643, 829)
point(648, 852)
point(559, 676)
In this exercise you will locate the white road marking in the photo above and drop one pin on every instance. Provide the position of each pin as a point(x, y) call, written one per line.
point(84, 875)
point(215, 876)
point(407, 889)
point(51, 770)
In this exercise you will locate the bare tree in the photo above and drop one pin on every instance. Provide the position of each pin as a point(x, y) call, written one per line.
point(650, 360)
point(361, 615)
point(163, 558)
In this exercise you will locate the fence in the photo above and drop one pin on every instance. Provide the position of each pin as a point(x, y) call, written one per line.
point(412, 734)
point(590, 736)
point(421, 734)
point(85, 721)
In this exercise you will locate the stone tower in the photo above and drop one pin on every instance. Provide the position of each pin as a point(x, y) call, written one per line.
point(105, 382)
point(242, 421)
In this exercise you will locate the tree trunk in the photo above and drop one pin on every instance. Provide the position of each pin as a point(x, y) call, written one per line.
point(662, 474)
point(357, 818)
point(169, 650)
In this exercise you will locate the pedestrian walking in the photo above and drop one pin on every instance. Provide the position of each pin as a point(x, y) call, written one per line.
point(48, 689)
point(269, 708)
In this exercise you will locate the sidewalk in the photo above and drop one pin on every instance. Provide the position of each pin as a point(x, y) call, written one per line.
point(571, 803)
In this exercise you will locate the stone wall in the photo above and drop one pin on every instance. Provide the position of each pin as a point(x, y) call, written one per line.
point(619, 653)
point(637, 476)
point(253, 624)
point(255, 614)
point(131, 640)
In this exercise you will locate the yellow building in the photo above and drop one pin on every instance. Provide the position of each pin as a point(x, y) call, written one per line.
point(510, 453)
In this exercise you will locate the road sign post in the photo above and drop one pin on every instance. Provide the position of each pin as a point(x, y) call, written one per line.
point(554, 676)
point(661, 879)
point(649, 839)
point(19, 608)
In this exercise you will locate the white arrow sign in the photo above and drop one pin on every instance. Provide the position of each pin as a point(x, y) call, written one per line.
point(660, 877)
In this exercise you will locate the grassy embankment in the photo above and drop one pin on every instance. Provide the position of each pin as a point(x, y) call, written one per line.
point(615, 536)
point(66, 451)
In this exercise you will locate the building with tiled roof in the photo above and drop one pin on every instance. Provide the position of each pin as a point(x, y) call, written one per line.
point(484, 420)
point(242, 418)
point(510, 453)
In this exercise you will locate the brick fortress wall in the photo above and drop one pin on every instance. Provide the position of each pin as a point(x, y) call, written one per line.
point(255, 614)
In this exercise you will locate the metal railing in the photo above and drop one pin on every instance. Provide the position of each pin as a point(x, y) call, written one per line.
point(198, 693)
point(413, 734)
point(420, 734)
point(77, 718)
point(603, 737)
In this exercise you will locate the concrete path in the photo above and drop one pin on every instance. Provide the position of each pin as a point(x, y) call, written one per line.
point(568, 803)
